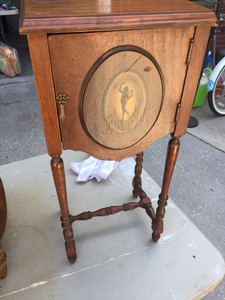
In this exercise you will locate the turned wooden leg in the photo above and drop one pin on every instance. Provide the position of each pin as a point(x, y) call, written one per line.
point(172, 153)
point(60, 184)
point(137, 185)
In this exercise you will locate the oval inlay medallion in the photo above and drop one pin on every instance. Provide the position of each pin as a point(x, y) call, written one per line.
point(121, 97)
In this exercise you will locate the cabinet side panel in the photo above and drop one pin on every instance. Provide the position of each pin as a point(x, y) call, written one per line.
point(45, 89)
point(192, 78)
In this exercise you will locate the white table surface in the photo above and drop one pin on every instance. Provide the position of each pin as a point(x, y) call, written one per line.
point(116, 257)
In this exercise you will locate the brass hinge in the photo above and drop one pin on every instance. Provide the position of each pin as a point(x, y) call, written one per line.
point(177, 113)
point(62, 100)
point(189, 51)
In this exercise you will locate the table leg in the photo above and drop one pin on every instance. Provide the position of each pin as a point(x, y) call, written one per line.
point(172, 153)
point(60, 184)
point(137, 185)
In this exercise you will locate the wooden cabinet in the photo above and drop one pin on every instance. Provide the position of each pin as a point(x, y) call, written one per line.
point(112, 77)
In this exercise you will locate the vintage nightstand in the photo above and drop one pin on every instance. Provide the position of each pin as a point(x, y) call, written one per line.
point(112, 77)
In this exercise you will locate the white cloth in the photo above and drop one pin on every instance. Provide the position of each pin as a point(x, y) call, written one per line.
point(93, 168)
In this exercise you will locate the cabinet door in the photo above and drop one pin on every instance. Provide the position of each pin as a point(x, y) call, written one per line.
point(118, 90)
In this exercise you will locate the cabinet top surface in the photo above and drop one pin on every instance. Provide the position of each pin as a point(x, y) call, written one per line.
point(80, 15)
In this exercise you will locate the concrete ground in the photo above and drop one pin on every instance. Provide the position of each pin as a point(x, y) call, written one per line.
point(198, 183)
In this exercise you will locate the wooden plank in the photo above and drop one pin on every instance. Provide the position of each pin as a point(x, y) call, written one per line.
point(95, 15)
point(192, 78)
point(45, 89)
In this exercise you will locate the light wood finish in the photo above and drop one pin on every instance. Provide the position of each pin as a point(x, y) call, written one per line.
point(70, 68)
point(192, 76)
point(113, 77)
point(95, 15)
point(45, 89)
